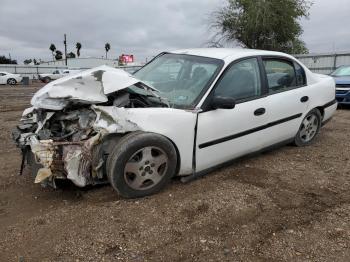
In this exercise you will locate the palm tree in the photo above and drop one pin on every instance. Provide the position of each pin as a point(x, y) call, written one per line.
point(107, 48)
point(53, 49)
point(78, 47)
point(58, 55)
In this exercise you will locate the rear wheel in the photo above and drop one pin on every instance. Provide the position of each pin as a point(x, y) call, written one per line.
point(309, 128)
point(11, 81)
point(141, 164)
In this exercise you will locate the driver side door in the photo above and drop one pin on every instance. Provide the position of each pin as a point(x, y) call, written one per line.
point(225, 134)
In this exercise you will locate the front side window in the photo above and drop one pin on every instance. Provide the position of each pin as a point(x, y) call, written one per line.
point(181, 79)
point(280, 75)
point(241, 81)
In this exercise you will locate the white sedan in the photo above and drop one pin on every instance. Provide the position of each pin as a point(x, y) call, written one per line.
point(182, 114)
point(10, 79)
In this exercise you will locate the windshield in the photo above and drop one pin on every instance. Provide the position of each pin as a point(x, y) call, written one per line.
point(181, 79)
point(342, 71)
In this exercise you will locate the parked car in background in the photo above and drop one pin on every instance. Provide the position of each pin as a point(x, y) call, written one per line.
point(342, 84)
point(56, 74)
point(10, 79)
point(183, 114)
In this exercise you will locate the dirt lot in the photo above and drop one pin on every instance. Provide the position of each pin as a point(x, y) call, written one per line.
point(289, 204)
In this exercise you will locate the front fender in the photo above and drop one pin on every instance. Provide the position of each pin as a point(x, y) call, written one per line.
point(175, 124)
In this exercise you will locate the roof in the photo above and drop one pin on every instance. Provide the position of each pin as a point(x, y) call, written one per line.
point(222, 53)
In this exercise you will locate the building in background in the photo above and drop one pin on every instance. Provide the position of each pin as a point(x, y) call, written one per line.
point(324, 63)
point(90, 62)
point(82, 63)
point(32, 71)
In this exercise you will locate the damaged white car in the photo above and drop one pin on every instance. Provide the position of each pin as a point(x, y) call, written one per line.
point(182, 114)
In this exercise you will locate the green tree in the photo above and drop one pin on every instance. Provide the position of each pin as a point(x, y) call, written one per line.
point(58, 55)
point(107, 48)
point(5, 60)
point(70, 55)
point(263, 24)
point(35, 62)
point(27, 61)
point(78, 47)
point(52, 49)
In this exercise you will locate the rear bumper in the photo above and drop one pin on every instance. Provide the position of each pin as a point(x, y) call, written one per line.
point(329, 110)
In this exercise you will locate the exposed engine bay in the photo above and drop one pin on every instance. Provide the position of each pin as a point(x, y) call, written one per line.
point(76, 121)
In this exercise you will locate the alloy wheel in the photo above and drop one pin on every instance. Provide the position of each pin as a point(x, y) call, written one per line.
point(308, 128)
point(146, 168)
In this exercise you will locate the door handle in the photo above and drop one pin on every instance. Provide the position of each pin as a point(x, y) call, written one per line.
point(259, 111)
point(304, 99)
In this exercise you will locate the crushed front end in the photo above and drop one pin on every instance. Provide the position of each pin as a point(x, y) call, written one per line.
point(76, 121)
point(59, 145)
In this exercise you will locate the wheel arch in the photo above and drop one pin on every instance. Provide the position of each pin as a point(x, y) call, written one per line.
point(321, 109)
point(178, 156)
point(119, 136)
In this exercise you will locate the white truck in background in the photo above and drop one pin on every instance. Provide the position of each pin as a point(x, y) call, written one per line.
point(56, 74)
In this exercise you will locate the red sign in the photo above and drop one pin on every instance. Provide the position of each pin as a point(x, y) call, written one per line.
point(126, 58)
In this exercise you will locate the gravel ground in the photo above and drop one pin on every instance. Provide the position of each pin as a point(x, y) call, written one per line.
point(289, 204)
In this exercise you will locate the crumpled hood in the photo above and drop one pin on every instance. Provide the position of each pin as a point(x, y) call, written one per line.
point(91, 87)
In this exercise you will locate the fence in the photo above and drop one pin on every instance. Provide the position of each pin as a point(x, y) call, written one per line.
point(32, 71)
point(318, 63)
point(324, 63)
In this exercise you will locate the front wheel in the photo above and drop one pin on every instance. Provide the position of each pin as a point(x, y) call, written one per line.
point(309, 128)
point(141, 164)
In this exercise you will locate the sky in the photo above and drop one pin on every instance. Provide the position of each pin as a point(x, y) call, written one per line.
point(139, 27)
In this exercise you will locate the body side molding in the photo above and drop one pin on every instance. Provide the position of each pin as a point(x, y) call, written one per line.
point(247, 132)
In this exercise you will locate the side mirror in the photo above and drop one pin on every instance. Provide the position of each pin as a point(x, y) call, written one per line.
point(223, 102)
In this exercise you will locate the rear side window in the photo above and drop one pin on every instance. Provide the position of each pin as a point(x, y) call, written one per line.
point(281, 75)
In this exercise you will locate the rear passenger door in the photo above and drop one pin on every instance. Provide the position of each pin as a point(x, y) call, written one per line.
point(288, 99)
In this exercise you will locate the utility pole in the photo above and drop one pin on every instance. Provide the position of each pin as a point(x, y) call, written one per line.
point(65, 47)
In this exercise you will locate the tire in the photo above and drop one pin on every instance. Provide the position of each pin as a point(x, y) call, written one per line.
point(141, 164)
point(46, 80)
point(11, 81)
point(309, 128)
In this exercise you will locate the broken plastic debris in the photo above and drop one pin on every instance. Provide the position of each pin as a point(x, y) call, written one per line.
point(43, 173)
